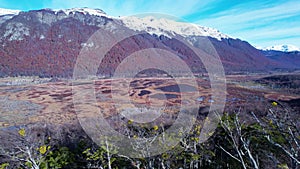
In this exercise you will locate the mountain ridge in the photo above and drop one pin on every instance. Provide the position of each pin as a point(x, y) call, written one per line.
point(152, 25)
point(47, 42)
point(282, 48)
point(160, 27)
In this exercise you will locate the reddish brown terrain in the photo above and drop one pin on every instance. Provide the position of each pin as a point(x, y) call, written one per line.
point(53, 101)
point(46, 43)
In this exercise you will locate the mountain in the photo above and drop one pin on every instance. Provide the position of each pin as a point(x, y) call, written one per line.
point(163, 26)
point(287, 59)
point(282, 48)
point(47, 42)
point(6, 14)
point(287, 55)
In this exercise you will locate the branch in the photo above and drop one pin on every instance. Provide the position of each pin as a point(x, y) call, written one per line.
point(229, 154)
point(294, 138)
point(280, 146)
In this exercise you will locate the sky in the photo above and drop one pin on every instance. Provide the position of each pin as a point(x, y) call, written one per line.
point(260, 22)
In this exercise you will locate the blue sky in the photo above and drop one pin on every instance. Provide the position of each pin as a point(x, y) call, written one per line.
point(260, 22)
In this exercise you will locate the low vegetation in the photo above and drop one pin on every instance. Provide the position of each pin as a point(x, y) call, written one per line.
point(287, 83)
point(271, 141)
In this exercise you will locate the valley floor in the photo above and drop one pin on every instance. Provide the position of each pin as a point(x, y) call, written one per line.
point(29, 100)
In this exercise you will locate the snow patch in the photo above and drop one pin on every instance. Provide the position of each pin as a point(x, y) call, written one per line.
point(85, 11)
point(16, 31)
point(8, 12)
point(170, 28)
point(87, 44)
point(283, 48)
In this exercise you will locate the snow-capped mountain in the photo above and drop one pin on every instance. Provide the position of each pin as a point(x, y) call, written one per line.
point(166, 27)
point(47, 42)
point(8, 12)
point(153, 25)
point(283, 48)
point(150, 24)
point(96, 12)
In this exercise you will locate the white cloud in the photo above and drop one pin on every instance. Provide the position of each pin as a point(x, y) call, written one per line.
point(261, 25)
point(283, 10)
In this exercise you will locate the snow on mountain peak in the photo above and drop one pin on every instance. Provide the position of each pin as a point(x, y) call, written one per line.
point(162, 26)
point(8, 12)
point(96, 12)
point(283, 48)
point(150, 24)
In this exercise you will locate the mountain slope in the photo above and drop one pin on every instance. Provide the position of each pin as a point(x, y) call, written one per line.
point(47, 42)
point(288, 59)
point(169, 28)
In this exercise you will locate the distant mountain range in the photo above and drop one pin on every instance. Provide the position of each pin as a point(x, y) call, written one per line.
point(47, 42)
point(282, 48)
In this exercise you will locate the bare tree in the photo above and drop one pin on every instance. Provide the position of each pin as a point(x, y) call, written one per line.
point(282, 132)
point(239, 141)
point(27, 145)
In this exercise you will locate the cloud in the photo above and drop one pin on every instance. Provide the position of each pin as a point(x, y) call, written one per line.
point(279, 21)
point(233, 17)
